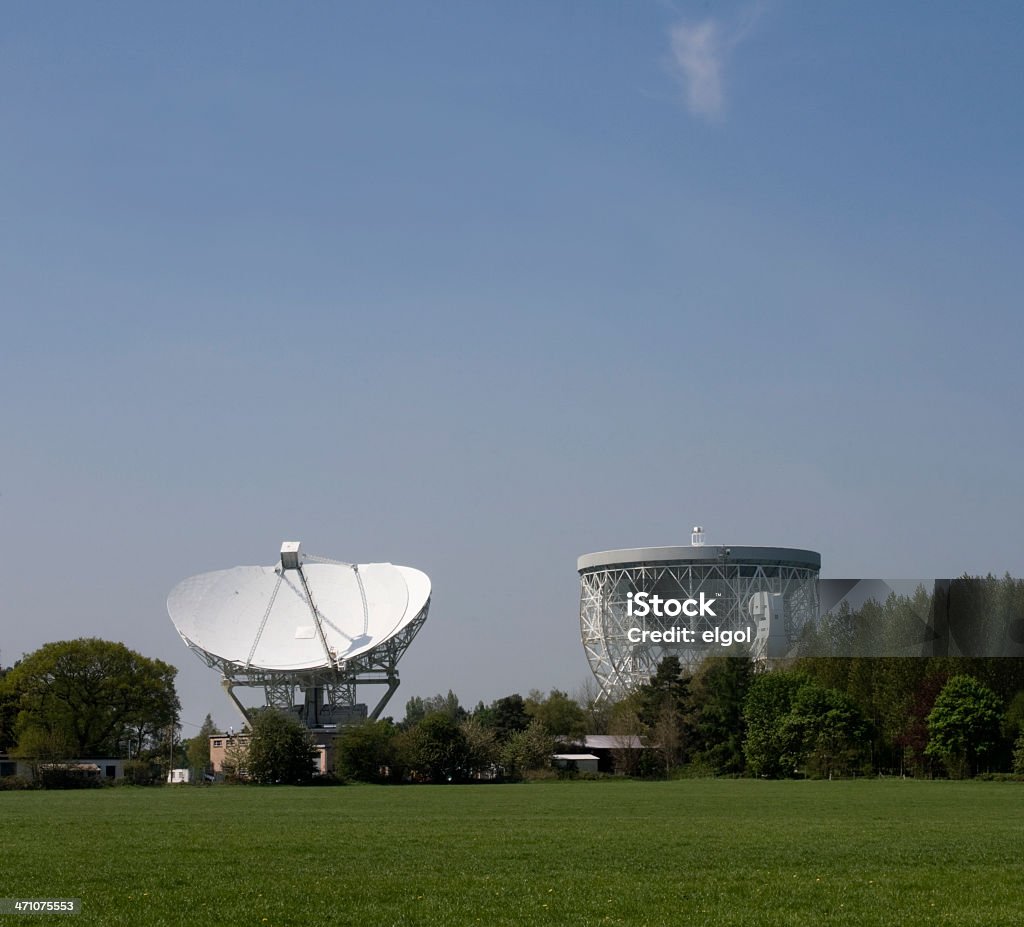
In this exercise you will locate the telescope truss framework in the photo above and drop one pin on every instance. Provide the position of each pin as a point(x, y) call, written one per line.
point(620, 665)
point(333, 687)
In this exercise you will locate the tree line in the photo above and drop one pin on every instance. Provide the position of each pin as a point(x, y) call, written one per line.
point(827, 716)
point(817, 717)
point(440, 741)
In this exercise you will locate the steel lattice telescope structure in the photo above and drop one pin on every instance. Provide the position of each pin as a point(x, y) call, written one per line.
point(737, 578)
point(308, 623)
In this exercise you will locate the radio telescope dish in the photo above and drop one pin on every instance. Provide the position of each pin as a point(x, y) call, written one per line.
point(307, 622)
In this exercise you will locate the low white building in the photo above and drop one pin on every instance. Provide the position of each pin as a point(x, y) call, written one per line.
point(581, 762)
point(104, 768)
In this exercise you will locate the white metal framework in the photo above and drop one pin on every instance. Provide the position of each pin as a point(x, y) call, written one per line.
point(329, 693)
point(730, 576)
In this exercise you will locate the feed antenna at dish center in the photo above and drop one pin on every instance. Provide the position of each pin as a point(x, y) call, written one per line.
point(309, 624)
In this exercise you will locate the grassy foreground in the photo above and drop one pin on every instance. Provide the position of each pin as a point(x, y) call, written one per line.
point(575, 853)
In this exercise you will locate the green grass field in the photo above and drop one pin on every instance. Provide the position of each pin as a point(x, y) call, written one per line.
point(589, 853)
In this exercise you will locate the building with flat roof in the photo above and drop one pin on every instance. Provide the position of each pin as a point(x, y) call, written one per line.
point(228, 751)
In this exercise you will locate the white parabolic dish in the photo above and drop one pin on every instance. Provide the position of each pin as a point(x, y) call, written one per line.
point(235, 616)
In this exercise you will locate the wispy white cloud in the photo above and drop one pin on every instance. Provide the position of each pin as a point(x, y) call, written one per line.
point(700, 52)
point(698, 59)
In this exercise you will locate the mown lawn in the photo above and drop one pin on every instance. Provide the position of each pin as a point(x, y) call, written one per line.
point(589, 853)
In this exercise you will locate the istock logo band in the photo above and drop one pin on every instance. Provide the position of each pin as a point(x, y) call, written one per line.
point(638, 606)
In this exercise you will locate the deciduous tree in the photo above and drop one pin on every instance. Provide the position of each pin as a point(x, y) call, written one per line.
point(97, 693)
point(528, 750)
point(963, 727)
point(436, 749)
point(365, 752)
point(767, 706)
point(508, 715)
point(280, 750)
point(482, 750)
point(8, 713)
point(824, 730)
point(561, 716)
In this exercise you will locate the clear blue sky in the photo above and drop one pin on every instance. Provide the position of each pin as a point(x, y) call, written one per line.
point(479, 288)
